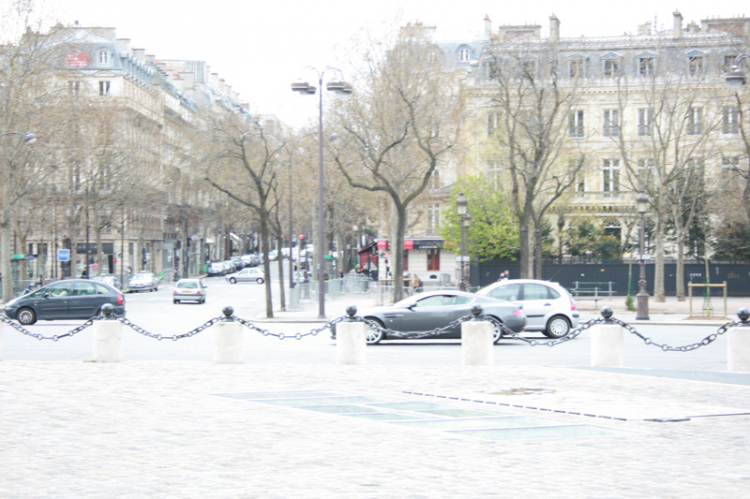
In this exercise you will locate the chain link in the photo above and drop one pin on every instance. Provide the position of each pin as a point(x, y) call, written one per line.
point(685, 348)
point(159, 337)
point(297, 336)
point(40, 337)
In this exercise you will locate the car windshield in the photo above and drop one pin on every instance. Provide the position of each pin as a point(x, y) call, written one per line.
point(187, 284)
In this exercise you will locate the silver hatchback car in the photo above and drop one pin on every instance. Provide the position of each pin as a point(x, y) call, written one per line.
point(189, 289)
point(548, 306)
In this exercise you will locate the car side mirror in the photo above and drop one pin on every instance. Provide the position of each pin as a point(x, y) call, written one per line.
point(46, 294)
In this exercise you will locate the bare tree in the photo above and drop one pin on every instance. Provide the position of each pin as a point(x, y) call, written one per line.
point(402, 123)
point(664, 151)
point(28, 67)
point(533, 101)
point(243, 163)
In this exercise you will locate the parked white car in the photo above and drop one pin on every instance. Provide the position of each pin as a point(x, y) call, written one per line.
point(548, 306)
point(250, 274)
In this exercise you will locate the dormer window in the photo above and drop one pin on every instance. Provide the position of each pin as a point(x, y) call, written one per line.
point(611, 65)
point(464, 54)
point(646, 65)
point(696, 63)
point(103, 57)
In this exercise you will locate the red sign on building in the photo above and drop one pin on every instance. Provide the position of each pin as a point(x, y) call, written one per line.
point(77, 60)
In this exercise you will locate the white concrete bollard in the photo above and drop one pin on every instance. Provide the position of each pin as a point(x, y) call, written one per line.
point(1, 339)
point(738, 349)
point(351, 343)
point(477, 343)
point(228, 343)
point(607, 346)
point(107, 341)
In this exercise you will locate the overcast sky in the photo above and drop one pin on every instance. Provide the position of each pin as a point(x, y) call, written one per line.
point(260, 46)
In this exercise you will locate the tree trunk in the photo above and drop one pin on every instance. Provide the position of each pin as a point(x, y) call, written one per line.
point(264, 243)
point(659, 294)
point(282, 295)
point(5, 268)
point(680, 273)
point(397, 254)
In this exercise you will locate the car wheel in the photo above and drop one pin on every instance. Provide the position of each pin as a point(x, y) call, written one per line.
point(497, 332)
point(233, 280)
point(175, 301)
point(26, 316)
point(374, 336)
point(557, 327)
point(202, 301)
point(260, 280)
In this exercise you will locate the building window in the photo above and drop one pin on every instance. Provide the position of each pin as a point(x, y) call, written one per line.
point(611, 176)
point(727, 63)
point(576, 69)
point(493, 68)
point(730, 119)
point(494, 175)
point(611, 123)
point(646, 66)
point(493, 121)
point(464, 54)
point(433, 259)
point(644, 172)
point(695, 121)
point(104, 88)
point(435, 179)
point(75, 88)
point(575, 123)
point(528, 69)
point(103, 57)
point(433, 218)
point(579, 181)
point(695, 65)
point(645, 122)
point(730, 163)
point(611, 68)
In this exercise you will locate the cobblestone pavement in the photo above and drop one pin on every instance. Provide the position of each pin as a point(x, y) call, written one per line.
point(158, 429)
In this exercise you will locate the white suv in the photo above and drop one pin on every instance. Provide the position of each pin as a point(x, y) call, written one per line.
point(548, 306)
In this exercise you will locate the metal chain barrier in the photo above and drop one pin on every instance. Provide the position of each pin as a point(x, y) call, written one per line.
point(159, 337)
point(40, 337)
point(476, 314)
point(685, 348)
point(282, 336)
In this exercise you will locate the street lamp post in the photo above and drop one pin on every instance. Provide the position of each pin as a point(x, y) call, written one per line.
point(464, 221)
point(736, 77)
point(305, 88)
point(642, 296)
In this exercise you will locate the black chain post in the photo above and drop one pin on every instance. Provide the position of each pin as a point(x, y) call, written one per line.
point(744, 315)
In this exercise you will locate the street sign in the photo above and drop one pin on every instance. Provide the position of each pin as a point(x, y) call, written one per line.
point(63, 255)
point(466, 258)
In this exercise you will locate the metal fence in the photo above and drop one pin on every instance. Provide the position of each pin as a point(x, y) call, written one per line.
point(623, 274)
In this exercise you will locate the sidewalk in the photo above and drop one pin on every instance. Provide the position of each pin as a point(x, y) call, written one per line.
point(196, 430)
point(164, 429)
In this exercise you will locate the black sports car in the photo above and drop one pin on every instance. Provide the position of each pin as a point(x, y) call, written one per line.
point(437, 309)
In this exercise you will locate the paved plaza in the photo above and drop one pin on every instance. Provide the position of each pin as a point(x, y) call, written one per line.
point(196, 429)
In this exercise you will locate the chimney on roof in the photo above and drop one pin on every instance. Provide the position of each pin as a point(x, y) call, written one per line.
point(677, 30)
point(487, 26)
point(554, 29)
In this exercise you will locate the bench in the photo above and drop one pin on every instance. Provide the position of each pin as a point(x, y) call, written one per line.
point(592, 290)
